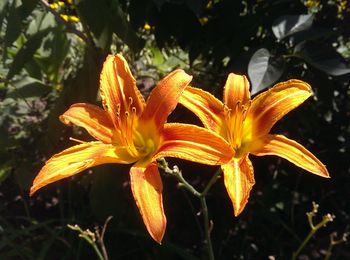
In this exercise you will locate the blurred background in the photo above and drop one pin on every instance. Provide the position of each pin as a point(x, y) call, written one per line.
point(51, 57)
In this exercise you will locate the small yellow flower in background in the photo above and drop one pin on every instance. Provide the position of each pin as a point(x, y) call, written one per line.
point(147, 27)
point(312, 3)
point(70, 18)
point(245, 124)
point(57, 5)
point(203, 20)
point(130, 131)
point(59, 87)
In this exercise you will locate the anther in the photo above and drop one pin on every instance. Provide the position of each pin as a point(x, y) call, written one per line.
point(104, 104)
point(133, 109)
point(127, 114)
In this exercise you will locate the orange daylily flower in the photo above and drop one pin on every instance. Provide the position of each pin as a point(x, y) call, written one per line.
point(129, 130)
point(245, 125)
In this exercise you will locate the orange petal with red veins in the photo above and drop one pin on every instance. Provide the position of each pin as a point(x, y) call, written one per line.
point(270, 106)
point(94, 119)
point(236, 90)
point(195, 144)
point(208, 108)
point(164, 97)
point(118, 89)
point(147, 188)
point(292, 151)
point(239, 181)
point(76, 159)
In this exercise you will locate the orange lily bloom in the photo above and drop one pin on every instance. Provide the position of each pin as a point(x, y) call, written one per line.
point(129, 130)
point(245, 125)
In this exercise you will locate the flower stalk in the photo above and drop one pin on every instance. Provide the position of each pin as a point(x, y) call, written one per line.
point(175, 172)
point(89, 237)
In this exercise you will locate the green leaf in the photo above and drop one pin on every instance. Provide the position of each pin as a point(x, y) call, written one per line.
point(5, 171)
point(53, 53)
point(123, 29)
point(264, 70)
point(27, 8)
point(3, 7)
point(158, 58)
point(111, 19)
point(289, 24)
point(13, 28)
point(16, 16)
point(322, 57)
point(26, 52)
point(27, 87)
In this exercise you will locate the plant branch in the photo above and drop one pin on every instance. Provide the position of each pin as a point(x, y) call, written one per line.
point(175, 172)
point(89, 237)
point(314, 228)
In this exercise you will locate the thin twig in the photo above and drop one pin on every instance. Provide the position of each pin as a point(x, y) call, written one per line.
point(101, 238)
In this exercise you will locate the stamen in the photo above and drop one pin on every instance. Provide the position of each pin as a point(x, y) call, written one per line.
point(77, 140)
point(130, 103)
point(104, 105)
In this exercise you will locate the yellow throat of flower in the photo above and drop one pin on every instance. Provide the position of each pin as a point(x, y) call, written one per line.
point(236, 125)
point(140, 139)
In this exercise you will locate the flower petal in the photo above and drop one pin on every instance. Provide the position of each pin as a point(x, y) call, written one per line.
point(118, 89)
point(236, 90)
point(164, 97)
point(147, 188)
point(94, 119)
point(195, 144)
point(270, 106)
point(239, 181)
point(208, 108)
point(76, 159)
point(292, 151)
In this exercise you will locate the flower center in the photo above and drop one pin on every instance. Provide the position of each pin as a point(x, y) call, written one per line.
point(139, 140)
point(235, 118)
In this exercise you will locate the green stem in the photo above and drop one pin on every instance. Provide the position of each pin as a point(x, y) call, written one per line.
point(213, 179)
point(303, 244)
point(207, 230)
point(162, 163)
point(94, 246)
point(89, 237)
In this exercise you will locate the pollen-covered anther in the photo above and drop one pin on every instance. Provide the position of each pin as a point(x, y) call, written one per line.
point(104, 105)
